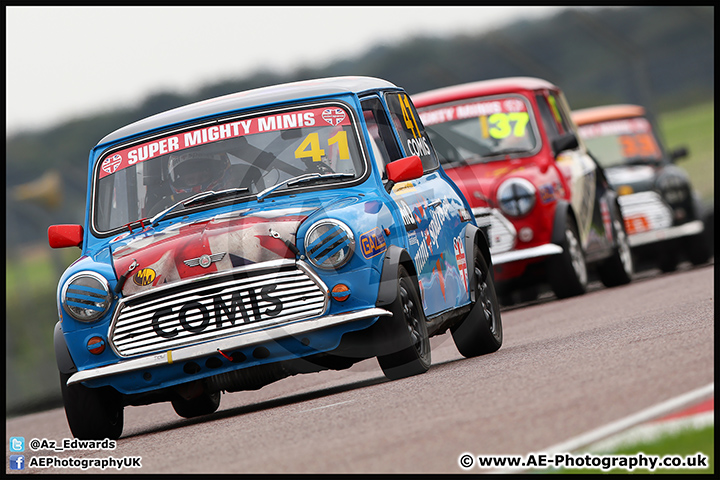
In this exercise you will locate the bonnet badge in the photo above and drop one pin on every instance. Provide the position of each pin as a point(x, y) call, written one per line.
point(204, 260)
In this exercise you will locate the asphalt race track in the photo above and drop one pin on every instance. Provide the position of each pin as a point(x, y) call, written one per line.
point(566, 368)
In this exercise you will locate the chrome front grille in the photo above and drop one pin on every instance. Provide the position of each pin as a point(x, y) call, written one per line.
point(644, 211)
point(215, 306)
point(501, 232)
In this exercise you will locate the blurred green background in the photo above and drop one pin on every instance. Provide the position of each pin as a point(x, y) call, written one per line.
point(659, 57)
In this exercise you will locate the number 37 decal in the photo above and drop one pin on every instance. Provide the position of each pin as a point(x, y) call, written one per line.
point(502, 125)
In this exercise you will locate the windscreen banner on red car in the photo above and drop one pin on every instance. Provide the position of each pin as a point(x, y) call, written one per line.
point(324, 116)
point(499, 118)
point(495, 109)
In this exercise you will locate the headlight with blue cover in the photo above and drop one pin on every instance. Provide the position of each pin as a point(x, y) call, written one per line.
point(86, 296)
point(329, 244)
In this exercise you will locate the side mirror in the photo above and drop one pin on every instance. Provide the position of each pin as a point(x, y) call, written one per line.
point(404, 169)
point(61, 236)
point(678, 153)
point(566, 141)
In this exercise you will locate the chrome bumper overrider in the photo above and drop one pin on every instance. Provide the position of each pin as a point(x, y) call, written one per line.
point(684, 230)
point(525, 253)
point(228, 343)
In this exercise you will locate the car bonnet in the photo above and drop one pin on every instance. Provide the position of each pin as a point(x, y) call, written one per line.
point(219, 242)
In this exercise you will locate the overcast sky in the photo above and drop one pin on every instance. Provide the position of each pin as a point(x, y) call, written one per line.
point(66, 62)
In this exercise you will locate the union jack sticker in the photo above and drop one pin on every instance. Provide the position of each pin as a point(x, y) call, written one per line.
point(333, 116)
point(111, 164)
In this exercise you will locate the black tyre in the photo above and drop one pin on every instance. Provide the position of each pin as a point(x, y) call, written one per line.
point(697, 249)
point(481, 331)
point(618, 269)
point(567, 272)
point(205, 404)
point(412, 354)
point(668, 259)
point(92, 413)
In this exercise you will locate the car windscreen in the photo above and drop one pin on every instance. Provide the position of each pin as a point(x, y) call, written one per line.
point(621, 142)
point(248, 154)
point(481, 129)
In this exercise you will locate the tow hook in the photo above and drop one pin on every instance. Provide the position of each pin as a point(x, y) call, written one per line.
point(288, 243)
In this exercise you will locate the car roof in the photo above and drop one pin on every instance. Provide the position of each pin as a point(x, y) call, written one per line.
point(604, 113)
point(251, 98)
point(480, 88)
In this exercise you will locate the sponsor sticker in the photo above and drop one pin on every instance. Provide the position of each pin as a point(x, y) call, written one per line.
point(372, 243)
point(144, 277)
point(403, 188)
point(407, 216)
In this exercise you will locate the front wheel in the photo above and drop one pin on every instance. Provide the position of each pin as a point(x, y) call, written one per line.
point(412, 355)
point(481, 331)
point(618, 269)
point(92, 413)
point(567, 272)
point(697, 249)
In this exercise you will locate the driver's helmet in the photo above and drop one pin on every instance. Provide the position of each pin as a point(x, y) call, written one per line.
point(195, 172)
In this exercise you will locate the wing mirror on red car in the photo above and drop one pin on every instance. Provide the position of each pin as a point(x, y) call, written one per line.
point(62, 236)
point(404, 169)
point(566, 141)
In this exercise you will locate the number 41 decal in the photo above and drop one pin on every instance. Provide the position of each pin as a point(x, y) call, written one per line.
point(310, 147)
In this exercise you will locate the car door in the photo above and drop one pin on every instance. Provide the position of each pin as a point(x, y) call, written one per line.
point(579, 170)
point(432, 211)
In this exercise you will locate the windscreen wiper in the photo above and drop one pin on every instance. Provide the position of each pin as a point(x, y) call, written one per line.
point(508, 151)
point(300, 179)
point(196, 200)
point(212, 195)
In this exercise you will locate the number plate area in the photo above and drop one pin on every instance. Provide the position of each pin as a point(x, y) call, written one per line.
point(214, 307)
point(644, 211)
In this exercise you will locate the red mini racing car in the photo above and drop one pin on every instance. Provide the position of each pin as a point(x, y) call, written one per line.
point(550, 214)
point(664, 216)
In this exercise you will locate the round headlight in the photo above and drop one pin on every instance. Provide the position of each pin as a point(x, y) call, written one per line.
point(86, 296)
point(516, 197)
point(673, 188)
point(329, 244)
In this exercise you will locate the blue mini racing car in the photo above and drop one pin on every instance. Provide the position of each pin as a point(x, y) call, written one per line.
point(236, 241)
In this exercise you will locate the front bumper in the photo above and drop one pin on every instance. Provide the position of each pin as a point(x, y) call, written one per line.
point(648, 219)
point(272, 334)
point(526, 253)
point(502, 237)
point(653, 236)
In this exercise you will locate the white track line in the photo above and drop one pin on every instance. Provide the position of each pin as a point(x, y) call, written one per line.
point(327, 406)
point(623, 424)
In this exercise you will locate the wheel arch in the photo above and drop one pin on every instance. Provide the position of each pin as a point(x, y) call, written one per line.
point(475, 236)
point(563, 211)
point(63, 359)
point(394, 257)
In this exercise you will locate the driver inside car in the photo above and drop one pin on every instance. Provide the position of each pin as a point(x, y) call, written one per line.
point(191, 173)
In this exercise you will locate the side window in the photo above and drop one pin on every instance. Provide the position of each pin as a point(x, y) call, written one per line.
point(554, 118)
point(382, 140)
point(410, 129)
point(549, 123)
